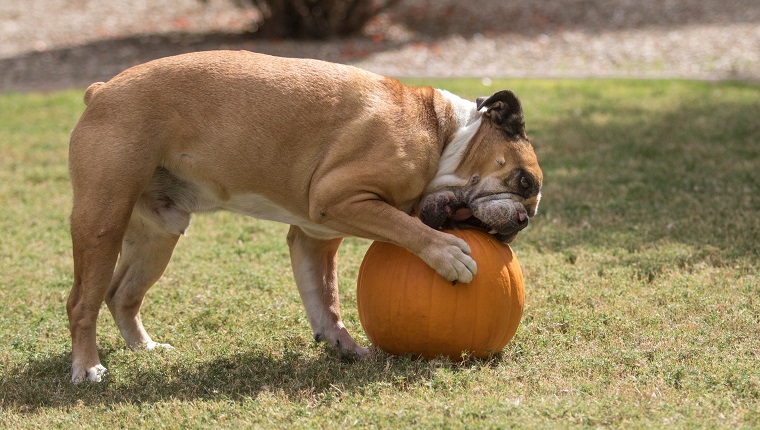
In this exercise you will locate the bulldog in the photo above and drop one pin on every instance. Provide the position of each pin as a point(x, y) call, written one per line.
point(330, 149)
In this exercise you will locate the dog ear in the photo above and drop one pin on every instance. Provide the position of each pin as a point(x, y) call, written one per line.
point(505, 110)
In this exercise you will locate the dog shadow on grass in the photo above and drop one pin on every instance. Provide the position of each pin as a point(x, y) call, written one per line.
point(640, 178)
point(319, 379)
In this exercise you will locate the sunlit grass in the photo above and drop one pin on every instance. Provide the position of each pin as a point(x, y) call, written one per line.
point(641, 276)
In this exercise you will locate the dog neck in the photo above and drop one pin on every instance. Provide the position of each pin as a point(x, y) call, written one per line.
point(468, 121)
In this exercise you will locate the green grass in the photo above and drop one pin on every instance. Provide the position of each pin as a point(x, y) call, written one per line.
point(642, 297)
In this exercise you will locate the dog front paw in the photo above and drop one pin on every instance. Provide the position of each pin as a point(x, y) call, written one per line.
point(451, 260)
point(338, 336)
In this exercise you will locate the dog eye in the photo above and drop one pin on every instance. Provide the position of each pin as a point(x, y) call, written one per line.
point(525, 182)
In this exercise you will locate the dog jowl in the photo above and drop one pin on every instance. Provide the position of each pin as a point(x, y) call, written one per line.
point(331, 150)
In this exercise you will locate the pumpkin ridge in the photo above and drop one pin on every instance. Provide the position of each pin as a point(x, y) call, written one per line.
point(492, 251)
point(478, 293)
point(506, 291)
point(458, 297)
point(401, 266)
point(411, 294)
point(429, 295)
point(514, 273)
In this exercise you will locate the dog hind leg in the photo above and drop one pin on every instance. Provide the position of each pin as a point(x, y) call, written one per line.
point(107, 176)
point(160, 216)
point(145, 253)
point(96, 233)
point(314, 264)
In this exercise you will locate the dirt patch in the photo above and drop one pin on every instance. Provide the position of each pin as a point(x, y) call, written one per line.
point(52, 44)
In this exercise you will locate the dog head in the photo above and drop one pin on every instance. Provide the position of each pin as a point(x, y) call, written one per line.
point(488, 177)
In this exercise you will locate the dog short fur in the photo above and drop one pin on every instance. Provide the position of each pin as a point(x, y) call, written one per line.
point(332, 150)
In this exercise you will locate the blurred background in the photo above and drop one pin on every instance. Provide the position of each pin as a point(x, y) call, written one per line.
point(53, 44)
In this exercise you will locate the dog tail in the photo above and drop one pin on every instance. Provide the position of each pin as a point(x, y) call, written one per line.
point(91, 90)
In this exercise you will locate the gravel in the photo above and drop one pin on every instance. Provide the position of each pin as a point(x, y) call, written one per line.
point(52, 44)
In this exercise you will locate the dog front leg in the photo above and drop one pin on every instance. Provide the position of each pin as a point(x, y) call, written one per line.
point(372, 218)
point(314, 264)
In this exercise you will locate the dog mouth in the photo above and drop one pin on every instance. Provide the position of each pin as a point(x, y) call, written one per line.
point(497, 215)
point(463, 218)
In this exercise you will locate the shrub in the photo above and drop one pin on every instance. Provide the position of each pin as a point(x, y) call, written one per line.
point(320, 19)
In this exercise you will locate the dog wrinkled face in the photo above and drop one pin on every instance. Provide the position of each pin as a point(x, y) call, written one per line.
point(498, 186)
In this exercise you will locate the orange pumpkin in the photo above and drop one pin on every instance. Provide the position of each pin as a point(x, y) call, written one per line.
point(405, 307)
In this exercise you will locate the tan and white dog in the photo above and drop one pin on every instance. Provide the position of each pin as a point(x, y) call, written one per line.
point(332, 150)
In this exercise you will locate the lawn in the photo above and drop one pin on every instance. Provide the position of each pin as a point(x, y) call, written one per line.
point(642, 290)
